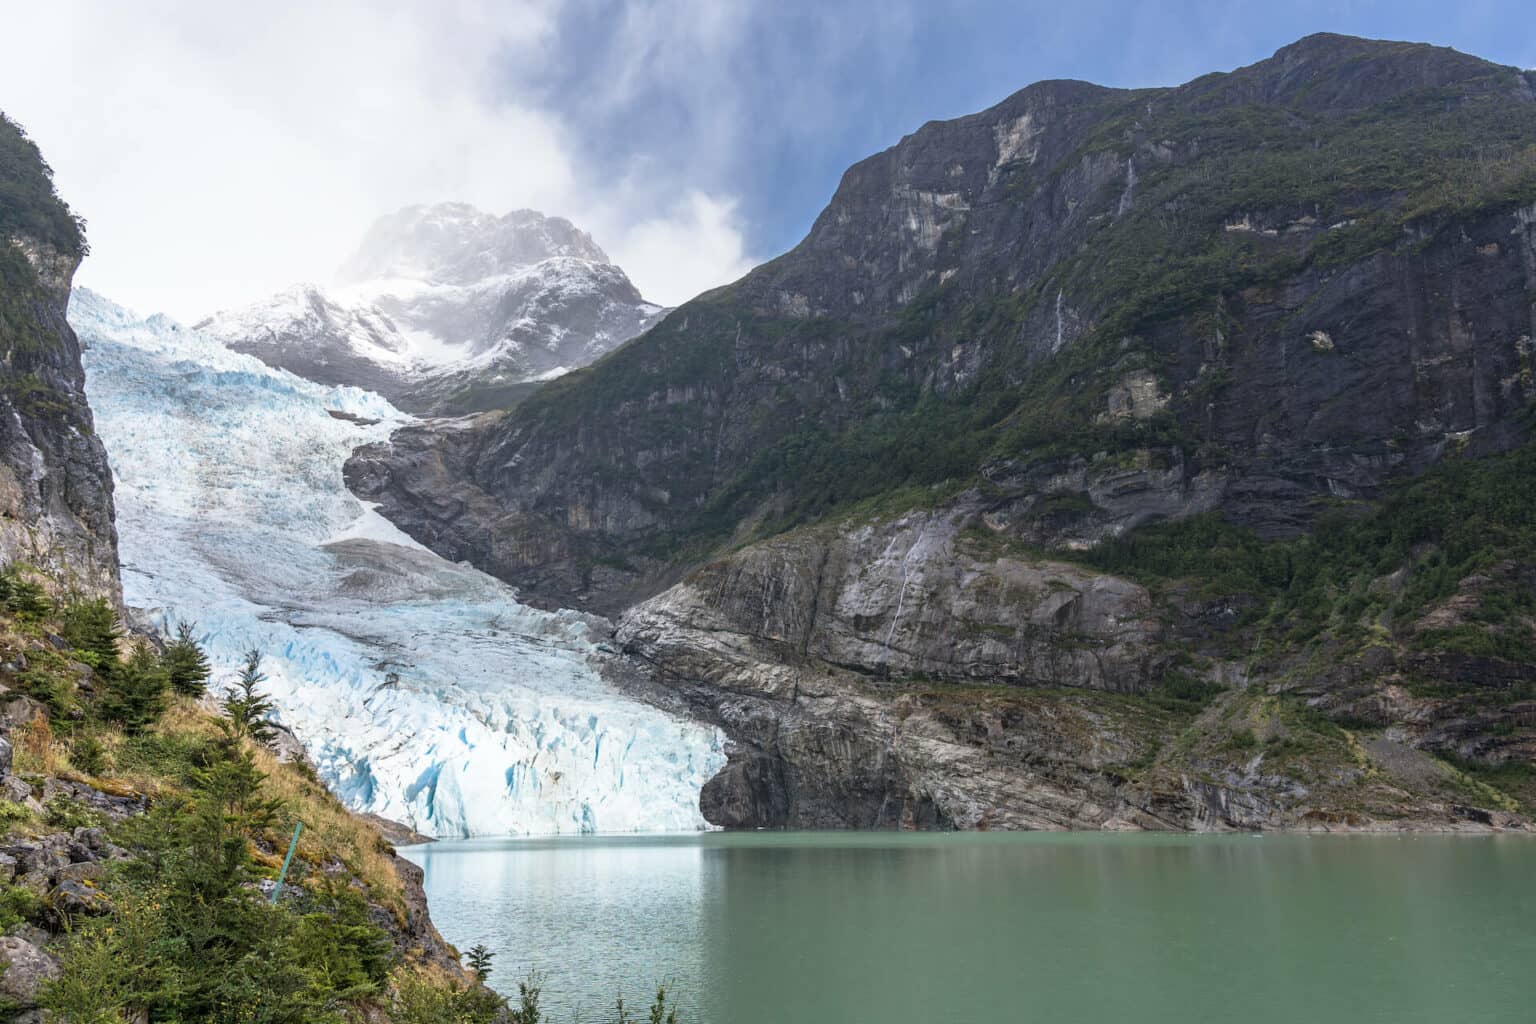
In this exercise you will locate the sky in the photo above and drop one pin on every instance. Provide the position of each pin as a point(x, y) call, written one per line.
point(222, 151)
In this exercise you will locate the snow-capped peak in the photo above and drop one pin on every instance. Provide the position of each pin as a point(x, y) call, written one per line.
point(454, 243)
point(442, 299)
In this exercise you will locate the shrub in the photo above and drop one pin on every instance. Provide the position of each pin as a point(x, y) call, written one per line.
point(22, 596)
point(87, 753)
point(421, 997)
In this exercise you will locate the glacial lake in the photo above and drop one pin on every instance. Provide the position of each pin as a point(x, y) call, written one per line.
point(787, 928)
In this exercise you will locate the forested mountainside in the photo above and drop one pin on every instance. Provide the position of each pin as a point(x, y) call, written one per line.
point(1057, 478)
point(55, 486)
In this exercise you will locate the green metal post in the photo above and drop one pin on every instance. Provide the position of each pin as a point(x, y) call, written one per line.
point(294, 845)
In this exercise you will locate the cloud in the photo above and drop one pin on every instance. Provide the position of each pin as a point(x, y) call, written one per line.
point(695, 245)
point(222, 151)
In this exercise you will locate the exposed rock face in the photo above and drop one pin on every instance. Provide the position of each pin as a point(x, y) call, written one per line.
point(1089, 297)
point(905, 599)
point(863, 688)
point(787, 644)
point(446, 308)
point(55, 484)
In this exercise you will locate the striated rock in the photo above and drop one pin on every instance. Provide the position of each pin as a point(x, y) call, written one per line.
point(785, 646)
point(906, 598)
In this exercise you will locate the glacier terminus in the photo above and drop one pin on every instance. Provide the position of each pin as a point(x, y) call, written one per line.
point(422, 689)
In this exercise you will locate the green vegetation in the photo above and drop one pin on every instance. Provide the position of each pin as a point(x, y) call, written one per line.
point(247, 709)
point(29, 208)
point(1460, 519)
point(185, 663)
point(29, 205)
point(184, 928)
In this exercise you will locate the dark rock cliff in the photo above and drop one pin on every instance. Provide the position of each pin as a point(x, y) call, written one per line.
point(1255, 292)
point(1260, 299)
point(55, 484)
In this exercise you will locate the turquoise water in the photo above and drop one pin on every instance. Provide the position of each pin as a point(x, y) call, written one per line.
point(961, 928)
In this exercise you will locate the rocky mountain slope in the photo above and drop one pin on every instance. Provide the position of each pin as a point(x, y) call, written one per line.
point(447, 309)
point(55, 487)
point(896, 475)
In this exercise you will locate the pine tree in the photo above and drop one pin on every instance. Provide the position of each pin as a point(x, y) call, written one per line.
point(480, 958)
point(135, 690)
point(23, 596)
point(91, 628)
point(185, 662)
point(247, 709)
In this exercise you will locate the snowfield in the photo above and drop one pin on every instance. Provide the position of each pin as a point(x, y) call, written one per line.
point(423, 690)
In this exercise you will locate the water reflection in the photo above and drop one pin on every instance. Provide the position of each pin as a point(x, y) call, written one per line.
point(773, 928)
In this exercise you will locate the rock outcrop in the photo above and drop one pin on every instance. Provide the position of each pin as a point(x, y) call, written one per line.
point(905, 674)
point(55, 484)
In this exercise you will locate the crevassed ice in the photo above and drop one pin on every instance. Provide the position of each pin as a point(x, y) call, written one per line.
point(423, 690)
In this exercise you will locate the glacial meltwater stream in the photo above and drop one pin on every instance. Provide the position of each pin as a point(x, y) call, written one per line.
point(773, 928)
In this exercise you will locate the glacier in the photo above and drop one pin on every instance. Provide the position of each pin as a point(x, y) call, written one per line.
point(422, 690)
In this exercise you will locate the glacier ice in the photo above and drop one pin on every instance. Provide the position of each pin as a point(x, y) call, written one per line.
point(423, 690)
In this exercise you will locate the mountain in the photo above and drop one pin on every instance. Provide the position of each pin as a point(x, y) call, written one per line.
point(447, 309)
point(880, 500)
point(55, 487)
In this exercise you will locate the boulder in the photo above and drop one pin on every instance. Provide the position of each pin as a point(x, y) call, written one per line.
point(19, 709)
point(85, 871)
point(26, 969)
point(72, 897)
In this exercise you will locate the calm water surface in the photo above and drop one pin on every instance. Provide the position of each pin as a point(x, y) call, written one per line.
point(954, 929)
